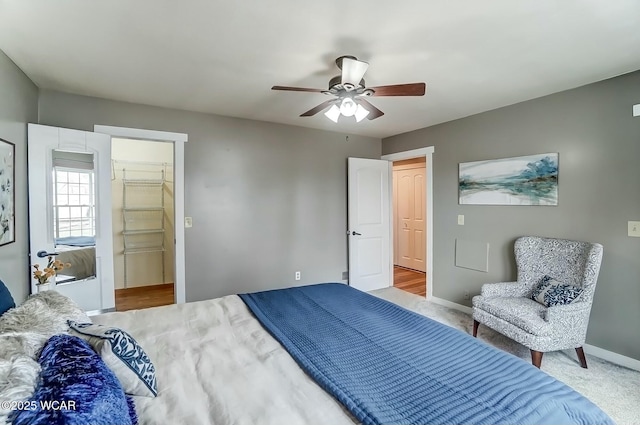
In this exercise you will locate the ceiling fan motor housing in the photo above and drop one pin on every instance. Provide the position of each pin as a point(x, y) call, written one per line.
point(336, 86)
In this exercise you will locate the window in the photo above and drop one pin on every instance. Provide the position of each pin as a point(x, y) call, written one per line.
point(73, 202)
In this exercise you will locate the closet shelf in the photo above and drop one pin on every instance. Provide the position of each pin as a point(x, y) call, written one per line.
point(143, 216)
point(142, 231)
point(143, 182)
point(142, 250)
point(129, 209)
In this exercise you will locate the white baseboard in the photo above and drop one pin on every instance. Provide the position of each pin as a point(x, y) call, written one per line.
point(607, 355)
point(612, 357)
point(450, 304)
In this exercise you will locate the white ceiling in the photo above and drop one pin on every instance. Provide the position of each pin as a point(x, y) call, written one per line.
point(223, 57)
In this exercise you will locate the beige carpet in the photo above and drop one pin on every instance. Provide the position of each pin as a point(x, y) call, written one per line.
point(615, 389)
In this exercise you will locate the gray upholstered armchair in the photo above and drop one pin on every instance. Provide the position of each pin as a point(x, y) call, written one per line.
point(508, 308)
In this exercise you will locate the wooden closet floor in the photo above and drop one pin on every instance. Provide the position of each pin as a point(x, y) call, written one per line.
point(144, 296)
point(409, 280)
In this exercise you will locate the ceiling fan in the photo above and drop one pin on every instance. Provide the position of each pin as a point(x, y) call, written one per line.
point(349, 90)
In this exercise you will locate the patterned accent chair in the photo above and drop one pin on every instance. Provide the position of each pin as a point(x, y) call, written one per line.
point(507, 307)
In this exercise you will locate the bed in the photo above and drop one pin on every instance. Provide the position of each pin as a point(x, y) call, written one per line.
point(80, 252)
point(329, 354)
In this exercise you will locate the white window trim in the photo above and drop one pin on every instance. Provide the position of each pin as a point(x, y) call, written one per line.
point(91, 185)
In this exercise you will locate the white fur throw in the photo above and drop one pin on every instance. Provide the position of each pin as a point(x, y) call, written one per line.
point(23, 332)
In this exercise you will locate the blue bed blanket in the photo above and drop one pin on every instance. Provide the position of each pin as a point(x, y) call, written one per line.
point(388, 365)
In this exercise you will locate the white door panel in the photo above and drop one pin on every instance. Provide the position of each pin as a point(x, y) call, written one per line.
point(369, 236)
point(369, 248)
point(410, 219)
point(418, 243)
point(404, 245)
point(93, 289)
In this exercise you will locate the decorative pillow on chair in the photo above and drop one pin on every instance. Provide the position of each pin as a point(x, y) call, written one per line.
point(6, 300)
point(75, 388)
point(123, 355)
point(550, 292)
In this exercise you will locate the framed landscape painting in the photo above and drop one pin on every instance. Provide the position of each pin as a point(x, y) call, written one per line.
point(522, 180)
point(7, 195)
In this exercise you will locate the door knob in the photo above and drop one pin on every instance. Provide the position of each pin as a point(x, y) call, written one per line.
point(354, 233)
point(43, 254)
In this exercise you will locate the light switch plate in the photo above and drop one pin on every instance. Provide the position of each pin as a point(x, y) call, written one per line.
point(634, 229)
point(461, 220)
point(188, 222)
point(636, 110)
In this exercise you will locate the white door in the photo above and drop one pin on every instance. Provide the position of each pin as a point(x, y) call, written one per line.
point(409, 199)
point(70, 212)
point(369, 232)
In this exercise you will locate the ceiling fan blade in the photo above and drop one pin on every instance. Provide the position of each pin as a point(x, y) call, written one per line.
point(415, 89)
point(353, 70)
point(373, 111)
point(324, 105)
point(285, 88)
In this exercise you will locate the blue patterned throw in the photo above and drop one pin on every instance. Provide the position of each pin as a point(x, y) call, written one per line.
point(388, 365)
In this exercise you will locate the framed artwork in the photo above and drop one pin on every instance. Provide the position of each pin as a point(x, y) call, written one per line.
point(7, 192)
point(522, 180)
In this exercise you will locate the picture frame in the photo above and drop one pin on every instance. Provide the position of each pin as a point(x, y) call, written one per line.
point(522, 180)
point(7, 192)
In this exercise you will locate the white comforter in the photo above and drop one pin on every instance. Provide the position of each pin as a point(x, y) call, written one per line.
point(215, 364)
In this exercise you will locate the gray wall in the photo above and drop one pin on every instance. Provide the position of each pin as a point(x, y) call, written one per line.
point(18, 106)
point(598, 140)
point(266, 199)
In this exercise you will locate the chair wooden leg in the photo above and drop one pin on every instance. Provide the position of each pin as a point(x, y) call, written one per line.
point(475, 328)
point(536, 358)
point(583, 359)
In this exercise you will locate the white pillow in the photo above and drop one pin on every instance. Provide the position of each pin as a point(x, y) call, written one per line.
point(123, 355)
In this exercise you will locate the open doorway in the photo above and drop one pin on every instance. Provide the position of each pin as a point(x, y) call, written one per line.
point(427, 154)
point(409, 225)
point(143, 223)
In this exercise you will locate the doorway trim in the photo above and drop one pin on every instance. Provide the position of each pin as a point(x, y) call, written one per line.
point(416, 153)
point(178, 140)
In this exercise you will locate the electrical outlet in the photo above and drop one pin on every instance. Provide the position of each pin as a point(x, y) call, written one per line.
point(634, 229)
point(297, 275)
point(345, 275)
point(466, 295)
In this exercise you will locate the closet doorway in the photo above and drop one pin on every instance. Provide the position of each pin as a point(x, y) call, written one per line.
point(410, 225)
point(143, 223)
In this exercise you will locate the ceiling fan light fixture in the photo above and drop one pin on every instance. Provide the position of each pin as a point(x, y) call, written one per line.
point(348, 107)
point(361, 113)
point(333, 113)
